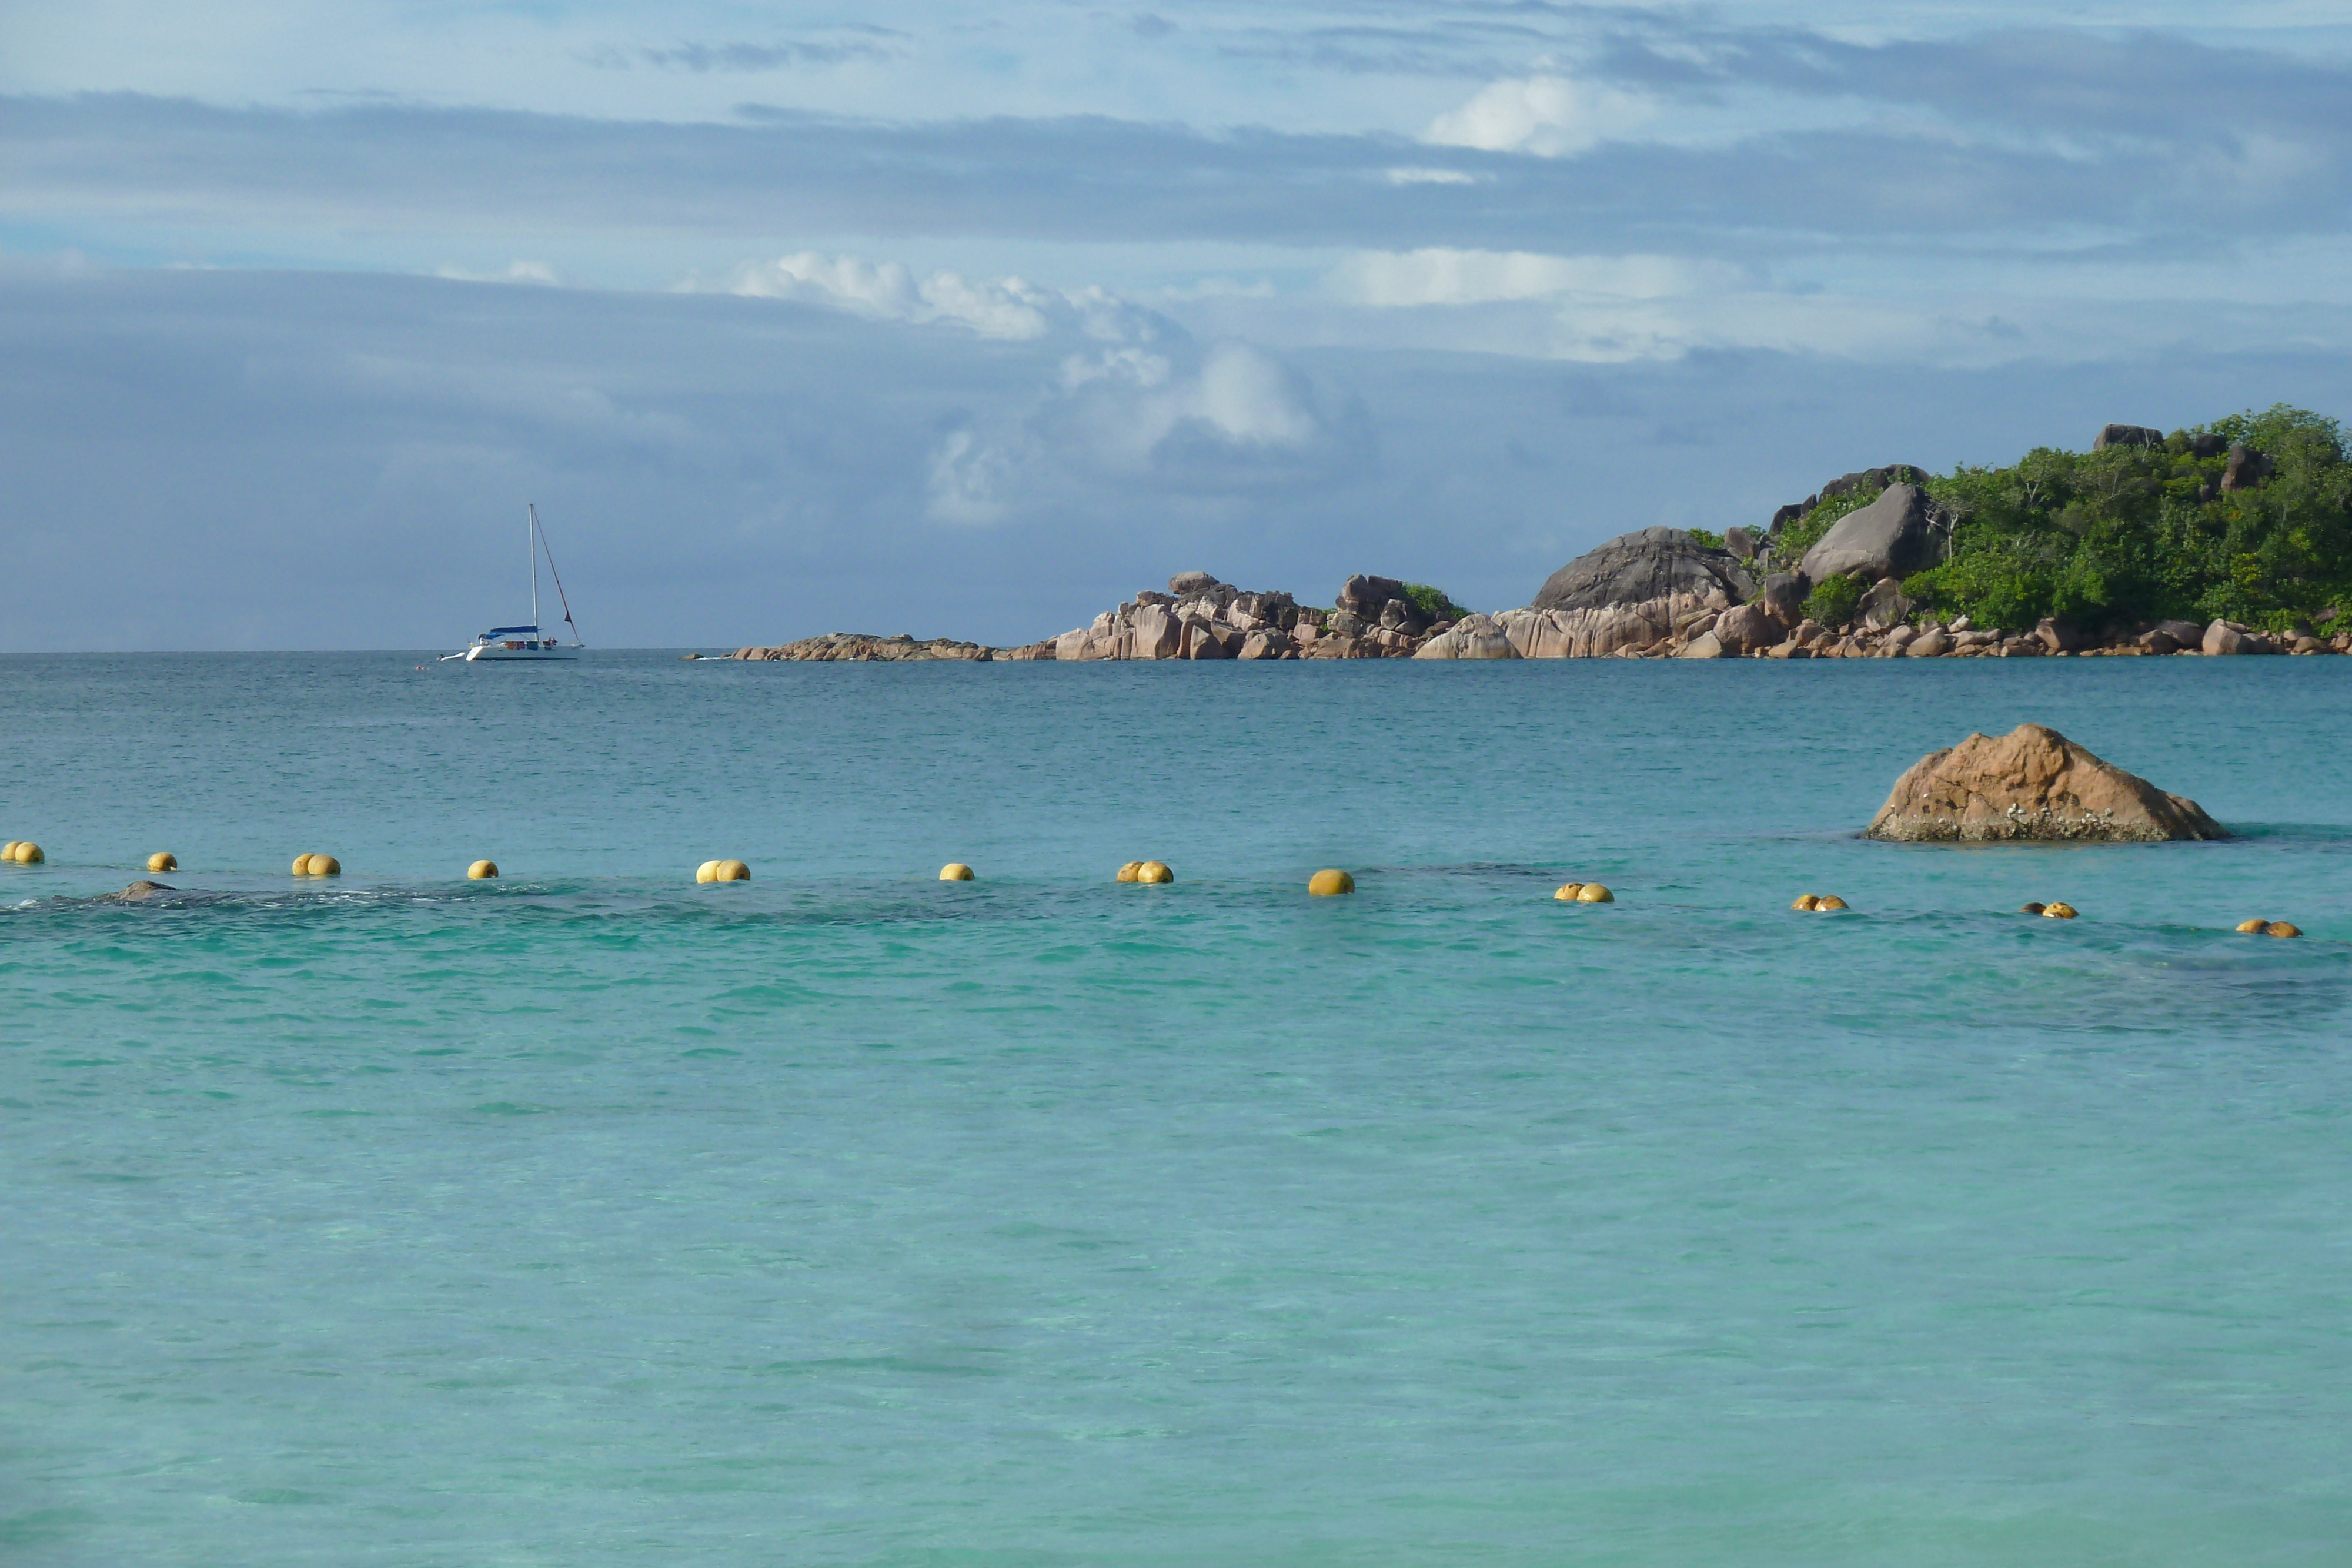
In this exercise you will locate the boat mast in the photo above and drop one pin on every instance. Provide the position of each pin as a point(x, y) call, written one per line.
point(532, 540)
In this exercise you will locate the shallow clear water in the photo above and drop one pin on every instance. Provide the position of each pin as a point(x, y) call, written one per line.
point(591, 1217)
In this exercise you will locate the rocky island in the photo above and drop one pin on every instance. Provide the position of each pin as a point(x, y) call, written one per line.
point(2031, 784)
point(2231, 538)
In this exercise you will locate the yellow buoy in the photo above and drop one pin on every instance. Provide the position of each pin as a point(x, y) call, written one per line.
point(706, 871)
point(1130, 872)
point(955, 871)
point(1567, 891)
point(1328, 882)
point(2030, 908)
point(1593, 892)
point(2284, 928)
point(163, 860)
point(1154, 872)
point(482, 871)
point(2058, 912)
point(326, 865)
point(2254, 927)
point(1807, 901)
point(8, 851)
point(731, 871)
point(1829, 901)
point(29, 853)
point(302, 865)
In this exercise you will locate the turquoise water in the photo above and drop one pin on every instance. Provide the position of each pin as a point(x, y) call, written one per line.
point(594, 1217)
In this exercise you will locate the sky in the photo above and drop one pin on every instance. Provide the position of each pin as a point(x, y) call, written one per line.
point(914, 318)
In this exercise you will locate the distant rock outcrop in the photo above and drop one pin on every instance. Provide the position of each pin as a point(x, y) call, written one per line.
point(2126, 435)
point(1877, 478)
point(2246, 469)
point(1640, 568)
point(862, 647)
point(1201, 618)
point(1873, 479)
point(2033, 783)
point(1894, 535)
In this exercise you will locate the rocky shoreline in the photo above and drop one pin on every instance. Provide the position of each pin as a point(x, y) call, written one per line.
point(1826, 580)
point(1372, 621)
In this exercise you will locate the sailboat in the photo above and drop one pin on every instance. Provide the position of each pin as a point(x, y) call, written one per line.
point(528, 642)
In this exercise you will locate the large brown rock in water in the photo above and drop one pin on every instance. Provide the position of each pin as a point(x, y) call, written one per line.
point(2033, 783)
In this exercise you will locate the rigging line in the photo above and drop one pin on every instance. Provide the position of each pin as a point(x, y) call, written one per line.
point(559, 583)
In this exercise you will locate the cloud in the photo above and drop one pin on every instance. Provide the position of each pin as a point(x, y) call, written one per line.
point(1006, 308)
point(967, 481)
point(1131, 398)
point(149, 170)
point(1419, 176)
point(1550, 116)
point(2163, 88)
point(1440, 276)
point(1134, 405)
point(703, 59)
point(1232, 421)
point(890, 292)
point(537, 272)
point(1987, 142)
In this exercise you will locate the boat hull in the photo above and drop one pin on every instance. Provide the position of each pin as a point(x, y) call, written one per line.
point(487, 656)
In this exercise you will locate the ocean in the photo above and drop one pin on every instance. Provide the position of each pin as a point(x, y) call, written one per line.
point(591, 1217)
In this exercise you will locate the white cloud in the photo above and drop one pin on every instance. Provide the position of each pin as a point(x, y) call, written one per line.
point(1140, 402)
point(1133, 365)
point(967, 481)
point(887, 291)
point(1248, 397)
point(1235, 420)
point(1128, 411)
point(1414, 176)
point(516, 272)
point(1550, 116)
point(1440, 276)
point(1004, 308)
point(1617, 308)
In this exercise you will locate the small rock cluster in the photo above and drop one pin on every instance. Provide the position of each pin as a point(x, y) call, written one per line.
point(1884, 630)
point(1687, 624)
point(862, 647)
point(1198, 617)
point(1201, 618)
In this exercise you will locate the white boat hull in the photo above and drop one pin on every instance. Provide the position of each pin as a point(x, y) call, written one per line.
point(484, 655)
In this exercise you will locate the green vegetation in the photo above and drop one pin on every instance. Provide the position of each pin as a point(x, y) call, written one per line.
point(2133, 534)
point(1432, 603)
point(1834, 601)
point(1704, 539)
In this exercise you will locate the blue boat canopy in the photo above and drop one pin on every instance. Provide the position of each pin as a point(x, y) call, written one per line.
point(511, 631)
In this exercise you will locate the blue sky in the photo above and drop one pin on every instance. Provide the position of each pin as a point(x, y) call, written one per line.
point(900, 316)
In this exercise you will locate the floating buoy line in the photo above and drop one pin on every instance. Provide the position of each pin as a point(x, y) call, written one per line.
point(1329, 882)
